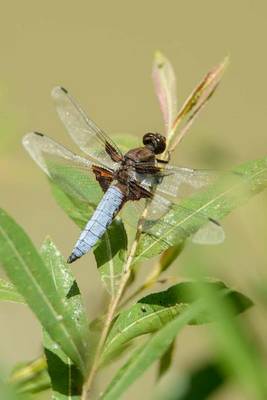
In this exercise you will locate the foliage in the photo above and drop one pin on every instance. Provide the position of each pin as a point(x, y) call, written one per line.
point(146, 326)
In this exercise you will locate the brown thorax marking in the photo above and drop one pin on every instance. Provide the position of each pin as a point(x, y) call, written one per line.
point(140, 160)
point(130, 164)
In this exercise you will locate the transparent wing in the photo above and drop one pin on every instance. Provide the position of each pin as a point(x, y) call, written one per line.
point(167, 221)
point(72, 173)
point(84, 132)
point(175, 181)
point(182, 181)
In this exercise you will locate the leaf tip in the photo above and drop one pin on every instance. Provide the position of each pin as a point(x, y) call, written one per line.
point(219, 70)
point(159, 59)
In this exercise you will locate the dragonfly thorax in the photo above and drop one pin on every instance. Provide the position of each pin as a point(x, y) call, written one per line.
point(139, 155)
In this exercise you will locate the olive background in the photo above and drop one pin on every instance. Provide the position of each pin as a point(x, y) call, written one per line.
point(102, 52)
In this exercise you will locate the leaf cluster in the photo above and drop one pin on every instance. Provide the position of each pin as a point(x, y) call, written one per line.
point(139, 326)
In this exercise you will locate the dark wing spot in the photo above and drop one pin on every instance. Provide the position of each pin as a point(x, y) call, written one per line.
point(214, 221)
point(64, 90)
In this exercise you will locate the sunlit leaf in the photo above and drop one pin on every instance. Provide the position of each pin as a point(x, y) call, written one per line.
point(35, 282)
point(65, 377)
point(154, 311)
point(165, 86)
point(8, 292)
point(217, 201)
point(146, 354)
point(158, 344)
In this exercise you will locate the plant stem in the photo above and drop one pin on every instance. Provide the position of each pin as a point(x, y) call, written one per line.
point(114, 302)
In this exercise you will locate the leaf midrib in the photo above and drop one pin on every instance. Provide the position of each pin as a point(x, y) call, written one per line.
point(195, 213)
point(155, 313)
point(39, 289)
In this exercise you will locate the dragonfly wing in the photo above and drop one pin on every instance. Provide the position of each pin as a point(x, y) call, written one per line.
point(167, 221)
point(210, 233)
point(42, 147)
point(182, 182)
point(180, 222)
point(85, 133)
point(72, 173)
point(174, 181)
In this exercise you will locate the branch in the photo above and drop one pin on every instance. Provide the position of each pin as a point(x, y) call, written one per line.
point(113, 305)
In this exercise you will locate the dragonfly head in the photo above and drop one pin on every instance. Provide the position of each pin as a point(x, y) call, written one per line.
point(155, 141)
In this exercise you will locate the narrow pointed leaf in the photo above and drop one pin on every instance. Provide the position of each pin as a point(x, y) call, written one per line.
point(148, 353)
point(217, 201)
point(67, 287)
point(195, 102)
point(8, 292)
point(158, 344)
point(65, 376)
point(154, 311)
point(66, 379)
point(169, 256)
point(35, 282)
point(165, 87)
point(197, 384)
point(166, 360)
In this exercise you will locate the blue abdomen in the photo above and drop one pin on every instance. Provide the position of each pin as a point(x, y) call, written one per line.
point(99, 222)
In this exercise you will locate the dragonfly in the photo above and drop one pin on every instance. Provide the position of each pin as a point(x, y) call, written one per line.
point(138, 176)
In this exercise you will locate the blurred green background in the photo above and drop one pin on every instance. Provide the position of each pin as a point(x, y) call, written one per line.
point(102, 52)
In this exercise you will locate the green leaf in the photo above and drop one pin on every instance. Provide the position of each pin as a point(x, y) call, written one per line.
point(8, 292)
point(198, 384)
point(67, 287)
point(146, 354)
point(154, 311)
point(169, 256)
point(234, 342)
point(35, 282)
point(166, 360)
point(65, 377)
point(217, 201)
point(110, 256)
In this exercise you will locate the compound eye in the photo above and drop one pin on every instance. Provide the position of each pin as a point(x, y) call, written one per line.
point(148, 138)
point(160, 144)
